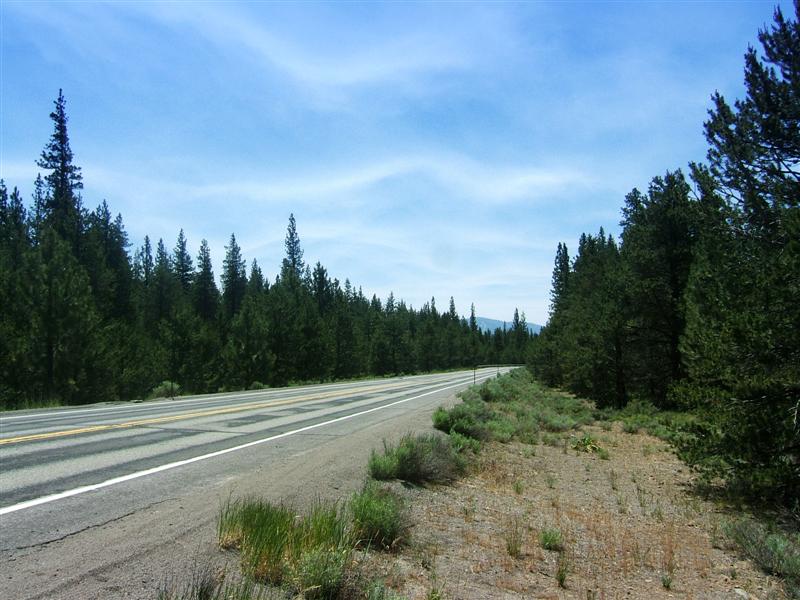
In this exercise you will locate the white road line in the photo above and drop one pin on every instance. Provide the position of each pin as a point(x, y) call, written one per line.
point(203, 397)
point(122, 479)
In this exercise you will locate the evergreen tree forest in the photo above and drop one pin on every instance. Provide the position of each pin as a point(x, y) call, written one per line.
point(86, 320)
point(696, 308)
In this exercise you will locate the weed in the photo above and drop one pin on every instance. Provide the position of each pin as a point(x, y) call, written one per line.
point(379, 516)
point(603, 454)
point(562, 570)
point(377, 590)
point(513, 537)
point(550, 481)
point(613, 477)
point(548, 439)
point(630, 427)
point(622, 504)
point(469, 509)
point(585, 443)
point(205, 584)
point(666, 581)
point(518, 487)
point(551, 539)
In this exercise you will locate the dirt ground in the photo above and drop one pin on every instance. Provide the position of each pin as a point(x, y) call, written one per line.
point(631, 527)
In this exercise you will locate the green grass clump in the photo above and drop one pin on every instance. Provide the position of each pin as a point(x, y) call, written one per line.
point(307, 554)
point(205, 584)
point(379, 517)
point(776, 553)
point(422, 459)
point(551, 539)
point(318, 571)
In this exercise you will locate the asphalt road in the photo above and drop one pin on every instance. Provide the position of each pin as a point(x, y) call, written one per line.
point(106, 500)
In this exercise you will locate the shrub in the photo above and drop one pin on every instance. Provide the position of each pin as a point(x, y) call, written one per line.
point(501, 429)
point(550, 539)
point(422, 459)
point(379, 517)
point(165, 389)
point(462, 443)
point(467, 418)
point(774, 552)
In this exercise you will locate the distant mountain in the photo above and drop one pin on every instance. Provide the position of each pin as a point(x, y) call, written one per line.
point(485, 324)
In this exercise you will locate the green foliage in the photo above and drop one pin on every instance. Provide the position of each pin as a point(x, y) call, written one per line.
point(204, 584)
point(83, 320)
point(421, 459)
point(515, 408)
point(462, 443)
point(585, 443)
point(165, 389)
point(776, 553)
point(698, 310)
point(308, 554)
point(551, 539)
point(379, 517)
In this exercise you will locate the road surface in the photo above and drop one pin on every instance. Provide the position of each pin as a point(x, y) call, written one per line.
point(107, 500)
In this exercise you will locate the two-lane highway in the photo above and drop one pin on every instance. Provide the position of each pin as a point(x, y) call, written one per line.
point(67, 472)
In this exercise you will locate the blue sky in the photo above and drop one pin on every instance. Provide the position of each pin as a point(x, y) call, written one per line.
point(430, 149)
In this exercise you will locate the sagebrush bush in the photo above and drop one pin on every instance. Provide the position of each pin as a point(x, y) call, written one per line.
point(776, 553)
point(421, 459)
point(165, 389)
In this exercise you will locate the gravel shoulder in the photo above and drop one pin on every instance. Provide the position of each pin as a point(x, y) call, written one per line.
point(631, 525)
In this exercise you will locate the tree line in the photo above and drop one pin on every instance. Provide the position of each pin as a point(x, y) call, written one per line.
point(697, 307)
point(83, 320)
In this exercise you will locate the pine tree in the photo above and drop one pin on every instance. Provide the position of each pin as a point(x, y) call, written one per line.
point(206, 294)
point(659, 234)
point(293, 266)
point(62, 204)
point(182, 263)
point(234, 279)
point(741, 342)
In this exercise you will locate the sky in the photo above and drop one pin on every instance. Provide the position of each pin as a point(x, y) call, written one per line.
point(425, 149)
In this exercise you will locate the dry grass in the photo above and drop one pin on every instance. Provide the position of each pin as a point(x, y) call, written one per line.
point(629, 529)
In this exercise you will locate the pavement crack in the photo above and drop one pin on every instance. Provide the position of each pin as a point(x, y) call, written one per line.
point(87, 528)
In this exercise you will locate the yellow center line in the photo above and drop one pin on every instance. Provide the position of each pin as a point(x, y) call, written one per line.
point(193, 415)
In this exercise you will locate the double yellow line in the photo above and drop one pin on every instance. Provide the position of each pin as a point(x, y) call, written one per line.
point(193, 415)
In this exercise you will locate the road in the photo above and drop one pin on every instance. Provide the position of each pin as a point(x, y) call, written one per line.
point(107, 500)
